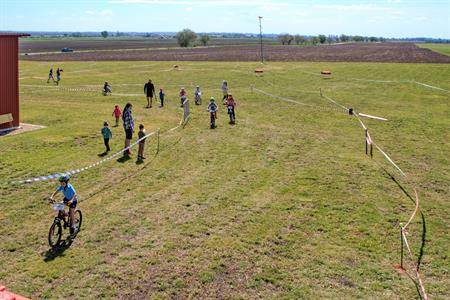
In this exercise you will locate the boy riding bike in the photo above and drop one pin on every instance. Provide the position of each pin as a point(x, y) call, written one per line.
point(70, 198)
point(212, 108)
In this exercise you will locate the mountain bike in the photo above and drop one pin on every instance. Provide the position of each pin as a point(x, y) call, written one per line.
point(213, 117)
point(62, 220)
point(198, 98)
point(231, 114)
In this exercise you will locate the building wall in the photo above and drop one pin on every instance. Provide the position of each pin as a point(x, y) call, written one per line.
point(9, 78)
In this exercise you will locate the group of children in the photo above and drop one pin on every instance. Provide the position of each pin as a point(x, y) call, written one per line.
point(107, 135)
point(58, 76)
point(227, 99)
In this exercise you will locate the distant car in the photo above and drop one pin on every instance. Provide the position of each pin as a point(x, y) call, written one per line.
point(66, 50)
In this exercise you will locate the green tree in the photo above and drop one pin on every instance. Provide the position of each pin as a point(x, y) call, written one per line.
point(204, 39)
point(322, 38)
point(344, 38)
point(104, 34)
point(315, 40)
point(299, 39)
point(186, 37)
point(285, 38)
point(332, 39)
point(358, 38)
point(373, 39)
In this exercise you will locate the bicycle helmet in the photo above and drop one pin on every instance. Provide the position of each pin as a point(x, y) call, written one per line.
point(212, 99)
point(64, 178)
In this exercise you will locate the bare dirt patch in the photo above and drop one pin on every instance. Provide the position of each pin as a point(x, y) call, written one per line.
point(361, 52)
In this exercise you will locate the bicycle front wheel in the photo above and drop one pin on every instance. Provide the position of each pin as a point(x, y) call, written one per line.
point(54, 234)
point(78, 219)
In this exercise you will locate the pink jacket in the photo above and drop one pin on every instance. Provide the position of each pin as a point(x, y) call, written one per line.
point(117, 113)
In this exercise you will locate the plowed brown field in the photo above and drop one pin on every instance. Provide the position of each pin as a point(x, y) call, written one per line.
point(357, 52)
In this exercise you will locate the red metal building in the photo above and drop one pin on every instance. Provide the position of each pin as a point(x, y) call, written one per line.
point(9, 76)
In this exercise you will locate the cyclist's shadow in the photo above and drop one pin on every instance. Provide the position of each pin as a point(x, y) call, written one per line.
point(56, 251)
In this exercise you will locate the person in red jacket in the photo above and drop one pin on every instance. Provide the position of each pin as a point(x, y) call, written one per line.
point(231, 104)
point(117, 113)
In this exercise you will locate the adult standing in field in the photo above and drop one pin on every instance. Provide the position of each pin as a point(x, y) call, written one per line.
point(58, 75)
point(50, 75)
point(149, 90)
point(128, 126)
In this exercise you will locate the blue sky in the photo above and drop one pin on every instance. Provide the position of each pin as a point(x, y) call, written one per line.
point(388, 18)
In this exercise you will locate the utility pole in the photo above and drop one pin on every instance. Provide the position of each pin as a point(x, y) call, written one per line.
point(260, 39)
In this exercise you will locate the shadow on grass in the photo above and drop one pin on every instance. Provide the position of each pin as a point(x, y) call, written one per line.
point(102, 154)
point(124, 159)
point(131, 175)
point(55, 252)
point(424, 229)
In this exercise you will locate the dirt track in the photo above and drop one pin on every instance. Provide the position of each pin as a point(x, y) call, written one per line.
point(363, 52)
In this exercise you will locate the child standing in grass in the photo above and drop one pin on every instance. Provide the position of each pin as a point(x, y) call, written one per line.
point(224, 89)
point(198, 95)
point(183, 96)
point(141, 135)
point(117, 113)
point(107, 134)
point(161, 96)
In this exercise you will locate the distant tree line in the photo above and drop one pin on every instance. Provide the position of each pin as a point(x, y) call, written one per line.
point(287, 39)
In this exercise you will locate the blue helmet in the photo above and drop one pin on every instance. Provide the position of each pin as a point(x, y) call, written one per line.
point(64, 178)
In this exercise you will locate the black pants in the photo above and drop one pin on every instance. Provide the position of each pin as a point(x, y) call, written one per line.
point(107, 144)
point(231, 113)
point(162, 101)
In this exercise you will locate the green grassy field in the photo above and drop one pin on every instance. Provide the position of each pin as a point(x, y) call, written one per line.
point(284, 205)
point(440, 48)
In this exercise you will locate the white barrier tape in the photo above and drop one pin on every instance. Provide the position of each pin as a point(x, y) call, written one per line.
point(389, 159)
point(372, 117)
point(75, 171)
point(294, 101)
point(403, 81)
point(430, 86)
point(183, 121)
point(416, 269)
point(328, 98)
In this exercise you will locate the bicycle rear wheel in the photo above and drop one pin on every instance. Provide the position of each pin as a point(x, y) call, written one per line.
point(54, 234)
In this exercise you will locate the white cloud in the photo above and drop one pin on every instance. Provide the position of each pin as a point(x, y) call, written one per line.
point(106, 13)
point(188, 9)
point(421, 19)
point(353, 7)
point(103, 13)
point(207, 2)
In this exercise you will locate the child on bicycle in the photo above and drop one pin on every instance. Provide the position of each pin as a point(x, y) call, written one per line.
point(70, 198)
point(212, 108)
point(231, 104)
